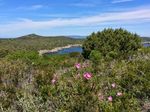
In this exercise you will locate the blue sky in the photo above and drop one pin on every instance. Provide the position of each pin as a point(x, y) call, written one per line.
point(72, 17)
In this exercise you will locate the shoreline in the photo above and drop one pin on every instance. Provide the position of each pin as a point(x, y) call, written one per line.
point(41, 52)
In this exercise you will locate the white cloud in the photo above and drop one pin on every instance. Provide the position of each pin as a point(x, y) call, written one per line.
point(33, 7)
point(36, 6)
point(83, 4)
point(120, 1)
point(126, 17)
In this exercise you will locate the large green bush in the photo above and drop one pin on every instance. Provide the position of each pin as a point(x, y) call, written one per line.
point(119, 41)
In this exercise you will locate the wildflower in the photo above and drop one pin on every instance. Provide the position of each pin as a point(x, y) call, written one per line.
point(87, 75)
point(53, 81)
point(113, 85)
point(110, 98)
point(78, 65)
point(119, 94)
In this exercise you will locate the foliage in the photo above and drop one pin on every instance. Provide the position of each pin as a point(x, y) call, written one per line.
point(145, 39)
point(74, 54)
point(119, 41)
point(95, 56)
point(66, 83)
point(35, 43)
point(3, 53)
point(73, 92)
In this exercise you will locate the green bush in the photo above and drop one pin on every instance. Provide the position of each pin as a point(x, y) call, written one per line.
point(74, 54)
point(119, 41)
point(27, 56)
point(95, 56)
point(3, 53)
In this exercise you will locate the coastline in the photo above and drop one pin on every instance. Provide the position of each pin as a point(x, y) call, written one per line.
point(41, 52)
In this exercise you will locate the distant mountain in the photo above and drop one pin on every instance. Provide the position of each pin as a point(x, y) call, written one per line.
point(36, 42)
point(35, 36)
point(146, 38)
point(30, 36)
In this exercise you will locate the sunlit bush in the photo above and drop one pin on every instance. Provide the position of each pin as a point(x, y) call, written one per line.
point(112, 41)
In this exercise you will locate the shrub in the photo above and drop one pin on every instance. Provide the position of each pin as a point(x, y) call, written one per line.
point(74, 54)
point(119, 41)
point(95, 56)
point(27, 56)
point(3, 53)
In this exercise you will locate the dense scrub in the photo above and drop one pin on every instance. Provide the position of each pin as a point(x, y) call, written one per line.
point(61, 83)
point(70, 83)
point(110, 42)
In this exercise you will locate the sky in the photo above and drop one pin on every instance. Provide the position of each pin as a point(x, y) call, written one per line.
point(72, 17)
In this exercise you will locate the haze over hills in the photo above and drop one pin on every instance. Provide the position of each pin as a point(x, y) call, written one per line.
point(146, 38)
point(70, 37)
point(34, 36)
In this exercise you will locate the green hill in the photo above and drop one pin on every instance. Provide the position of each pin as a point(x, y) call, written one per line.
point(146, 39)
point(33, 42)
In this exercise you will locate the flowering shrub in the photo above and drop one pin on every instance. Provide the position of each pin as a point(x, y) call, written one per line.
point(110, 98)
point(87, 75)
point(118, 86)
point(82, 90)
point(78, 65)
point(113, 85)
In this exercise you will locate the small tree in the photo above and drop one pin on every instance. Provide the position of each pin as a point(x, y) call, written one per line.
point(119, 41)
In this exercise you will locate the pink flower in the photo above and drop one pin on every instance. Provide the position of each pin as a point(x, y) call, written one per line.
point(113, 85)
point(53, 81)
point(78, 65)
point(87, 75)
point(119, 94)
point(110, 98)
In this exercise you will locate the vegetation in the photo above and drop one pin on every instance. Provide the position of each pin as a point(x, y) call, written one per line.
point(34, 42)
point(146, 39)
point(109, 42)
point(70, 83)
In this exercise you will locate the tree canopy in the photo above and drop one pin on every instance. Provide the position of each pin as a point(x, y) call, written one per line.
point(112, 41)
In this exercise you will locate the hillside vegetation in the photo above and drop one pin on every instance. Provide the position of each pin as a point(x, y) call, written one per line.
point(34, 42)
point(145, 39)
point(102, 82)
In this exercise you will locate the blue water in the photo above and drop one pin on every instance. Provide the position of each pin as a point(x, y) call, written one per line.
point(77, 49)
point(147, 45)
point(68, 50)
